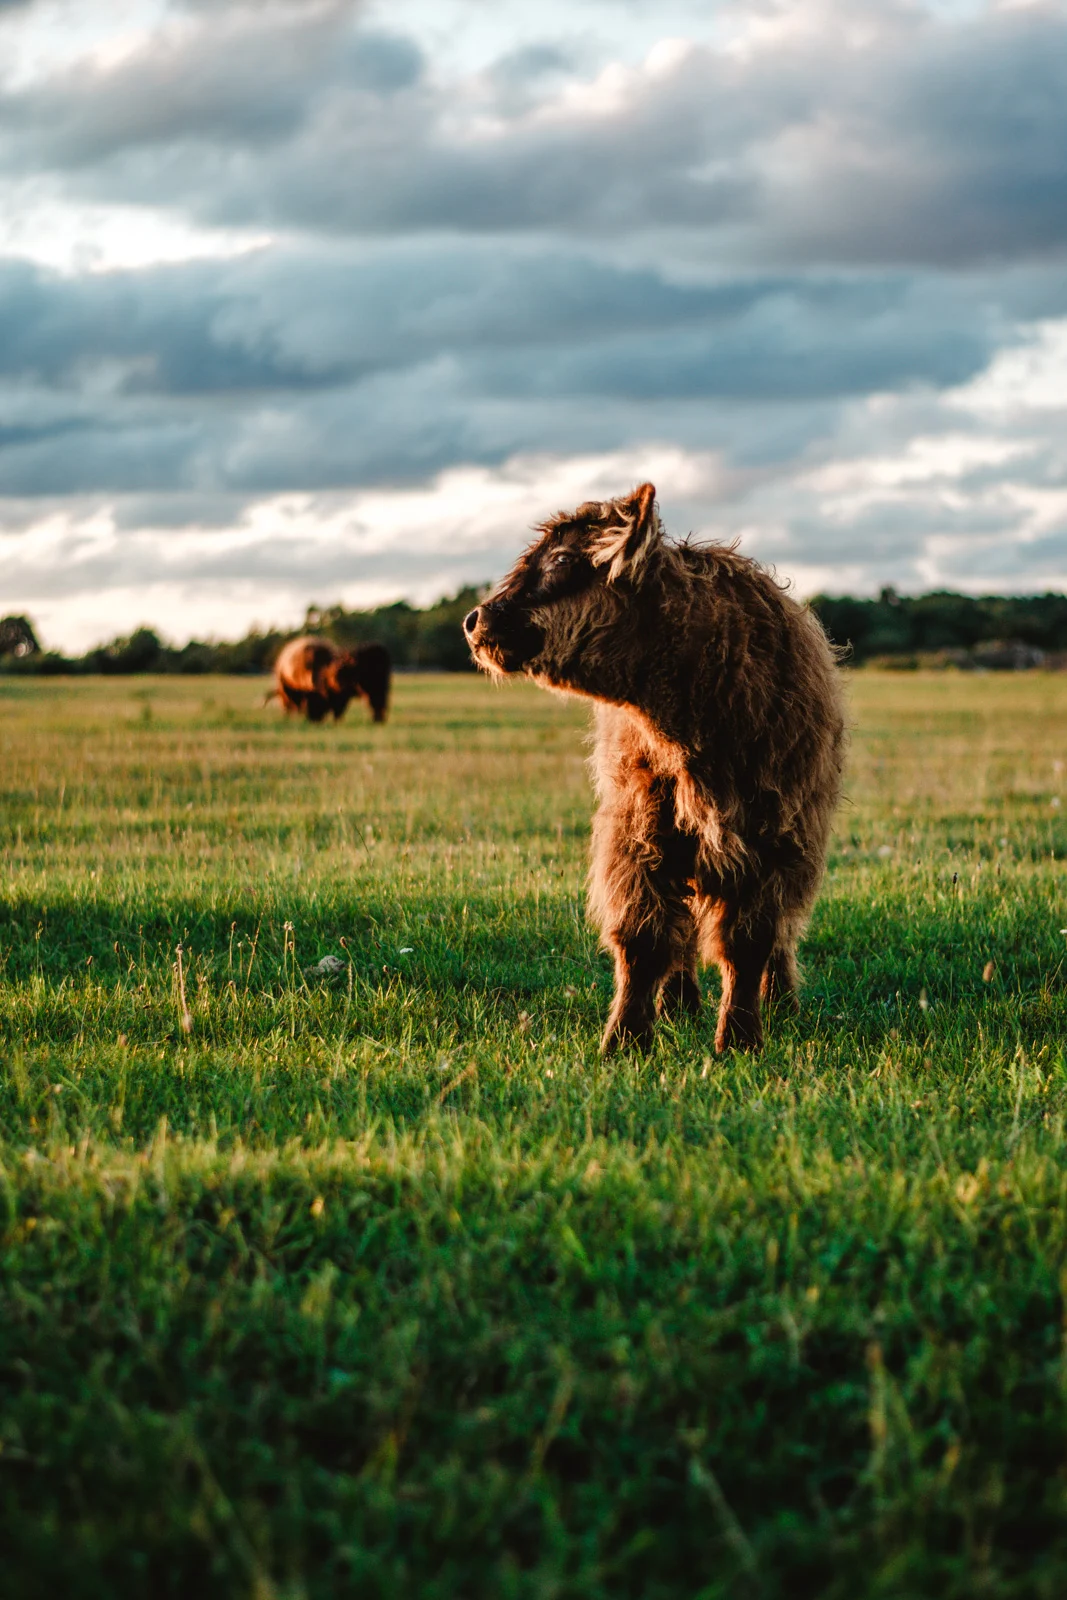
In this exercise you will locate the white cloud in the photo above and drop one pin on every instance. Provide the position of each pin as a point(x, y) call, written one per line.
point(79, 238)
point(39, 40)
point(939, 462)
point(1031, 377)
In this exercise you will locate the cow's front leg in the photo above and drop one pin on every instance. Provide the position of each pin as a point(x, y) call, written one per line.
point(639, 889)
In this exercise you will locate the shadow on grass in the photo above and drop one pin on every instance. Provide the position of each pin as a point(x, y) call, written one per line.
point(494, 971)
point(857, 961)
point(456, 939)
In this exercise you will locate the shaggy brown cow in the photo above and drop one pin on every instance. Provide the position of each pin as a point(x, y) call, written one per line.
point(718, 755)
point(314, 677)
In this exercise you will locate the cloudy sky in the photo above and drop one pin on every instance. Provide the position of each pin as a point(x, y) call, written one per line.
point(308, 300)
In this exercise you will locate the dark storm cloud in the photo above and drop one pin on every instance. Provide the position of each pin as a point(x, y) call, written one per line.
point(528, 323)
point(290, 369)
point(154, 331)
point(785, 340)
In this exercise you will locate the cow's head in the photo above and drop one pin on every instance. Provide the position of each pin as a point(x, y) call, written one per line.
point(341, 675)
point(348, 675)
point(561, 613)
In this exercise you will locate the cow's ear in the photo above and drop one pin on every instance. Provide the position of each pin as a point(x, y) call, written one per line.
point(629, 535)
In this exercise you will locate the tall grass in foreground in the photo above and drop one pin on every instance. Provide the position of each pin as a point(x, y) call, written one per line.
point(383, 1284)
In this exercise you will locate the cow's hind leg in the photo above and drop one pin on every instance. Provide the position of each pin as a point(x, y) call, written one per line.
point(742, 945)
point(680, 994)
point(645, 952)
point(780, 980)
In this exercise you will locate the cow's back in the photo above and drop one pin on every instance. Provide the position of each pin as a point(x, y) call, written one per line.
point(301, 663)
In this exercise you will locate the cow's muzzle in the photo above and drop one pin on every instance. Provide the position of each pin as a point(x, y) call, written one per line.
point(502, 638)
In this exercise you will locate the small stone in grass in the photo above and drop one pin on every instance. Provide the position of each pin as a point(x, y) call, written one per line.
point(318, 1206)
point(989, 972)
point(328, 967)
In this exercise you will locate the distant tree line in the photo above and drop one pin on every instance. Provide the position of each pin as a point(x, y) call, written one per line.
point(939, 628)
point(426, 638)
point(960, 628)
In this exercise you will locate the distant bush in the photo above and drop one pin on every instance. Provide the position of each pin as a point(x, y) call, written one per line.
point(17, 638)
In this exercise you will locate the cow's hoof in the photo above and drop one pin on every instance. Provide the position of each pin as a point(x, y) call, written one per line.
point(680, 996)
point(624, 1036)
point(739, 1030)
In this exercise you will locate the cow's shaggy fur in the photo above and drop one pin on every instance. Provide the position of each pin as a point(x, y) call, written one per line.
point(718, 754)
point(313, 677)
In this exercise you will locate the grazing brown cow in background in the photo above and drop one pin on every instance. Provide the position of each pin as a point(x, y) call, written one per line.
point(719, 748)
point(311, 675)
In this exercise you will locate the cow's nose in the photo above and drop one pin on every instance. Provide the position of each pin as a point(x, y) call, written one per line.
point(470, 621)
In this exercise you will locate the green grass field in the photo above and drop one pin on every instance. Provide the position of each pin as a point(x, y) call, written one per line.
point(384, 1285)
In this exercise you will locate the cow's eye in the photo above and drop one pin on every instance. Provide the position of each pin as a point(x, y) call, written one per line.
point(561, 558)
